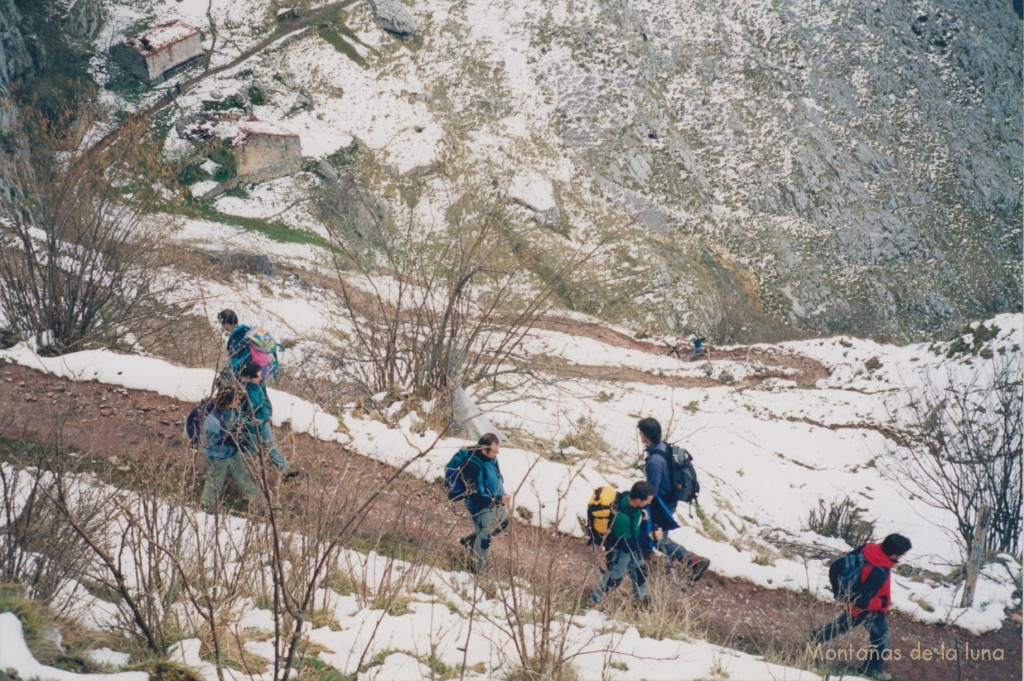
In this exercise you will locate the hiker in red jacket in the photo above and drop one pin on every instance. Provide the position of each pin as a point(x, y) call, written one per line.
point(868, 601)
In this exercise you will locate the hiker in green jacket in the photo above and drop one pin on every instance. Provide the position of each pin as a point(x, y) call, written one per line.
point(624, 545)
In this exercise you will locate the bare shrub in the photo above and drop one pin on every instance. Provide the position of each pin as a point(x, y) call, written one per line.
point(840, 518)
point(436, 307)
point(963, 450)
point(75, 248)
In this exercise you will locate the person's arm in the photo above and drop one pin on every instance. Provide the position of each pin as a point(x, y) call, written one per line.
point(213, 437)
point(656, 473)
point(472, 473)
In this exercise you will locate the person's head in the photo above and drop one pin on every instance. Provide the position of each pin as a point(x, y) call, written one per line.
point(488, 444)
point(650, 430)
point(227, 398)
point(251, 371)
point(894, 546)
point(228, 319)
point(641, 494)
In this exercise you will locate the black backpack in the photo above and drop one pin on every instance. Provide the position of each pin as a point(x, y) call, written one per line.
point(685, 486)
point(194, 422)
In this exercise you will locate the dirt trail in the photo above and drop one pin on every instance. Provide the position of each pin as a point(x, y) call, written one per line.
point(122, 425)
point(776, 363)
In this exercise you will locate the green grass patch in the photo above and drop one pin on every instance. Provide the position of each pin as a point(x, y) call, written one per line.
point(126, 85)
point(333, 37)
point(272, 229)
point(191, 174)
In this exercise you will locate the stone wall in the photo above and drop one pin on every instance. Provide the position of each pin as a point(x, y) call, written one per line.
point(265, 157)
point(159, 63)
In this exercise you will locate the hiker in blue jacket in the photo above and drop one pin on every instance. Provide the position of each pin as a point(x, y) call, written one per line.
point(220, 442)
point(237, 346)
point(659, 475)
point(256, 410)
point(486, 501)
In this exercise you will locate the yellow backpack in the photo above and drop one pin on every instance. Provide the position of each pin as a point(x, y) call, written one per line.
point(600, 510)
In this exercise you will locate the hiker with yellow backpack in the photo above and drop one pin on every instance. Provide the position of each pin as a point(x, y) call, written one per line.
point(625, 542)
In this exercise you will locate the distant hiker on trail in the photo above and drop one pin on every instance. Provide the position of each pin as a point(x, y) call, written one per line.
point(248, 344)
point(220, 441)
point(480, 483)
point(698, 348)
point(658, 469)
point(624, 545)
point(256, 410)
point(861, 582)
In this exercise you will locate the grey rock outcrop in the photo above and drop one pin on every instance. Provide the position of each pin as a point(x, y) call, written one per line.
point(15, 60)
point(394, 17)
point(837, 168)
point(240, 261)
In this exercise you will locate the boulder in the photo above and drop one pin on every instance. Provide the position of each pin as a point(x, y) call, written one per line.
point(240, 261)
point(394, 17)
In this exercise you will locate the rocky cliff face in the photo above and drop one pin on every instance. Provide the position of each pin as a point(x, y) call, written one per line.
point(770, 168)
point(15, 60)
point(830, 166)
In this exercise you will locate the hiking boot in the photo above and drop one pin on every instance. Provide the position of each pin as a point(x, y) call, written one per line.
point(467, 541)
point(698, 566)
point(292, 473)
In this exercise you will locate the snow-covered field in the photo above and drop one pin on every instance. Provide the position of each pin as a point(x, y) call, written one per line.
point(446, 618)
point(766, 455)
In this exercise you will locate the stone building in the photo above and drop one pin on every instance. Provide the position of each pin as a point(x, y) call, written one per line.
point(264, 151)
point(152, 54)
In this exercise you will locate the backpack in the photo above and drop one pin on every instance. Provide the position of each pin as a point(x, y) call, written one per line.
point(600, 510)
point(685, 486)
point(263, 351)
point(844, 574)
point(194, 422)
point(454, 482)
point(243, 440)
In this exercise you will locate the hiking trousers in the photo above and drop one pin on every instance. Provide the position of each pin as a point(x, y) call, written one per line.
point(619, 562)
point(267, 440)
point(878, 630)
point(675, 551)
point(486, 524)
point(217, 471)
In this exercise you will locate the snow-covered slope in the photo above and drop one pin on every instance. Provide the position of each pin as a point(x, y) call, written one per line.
point(824, 166)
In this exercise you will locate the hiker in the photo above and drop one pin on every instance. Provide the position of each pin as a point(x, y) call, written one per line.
point(238, 348)
point(658, 469)
point(698, 348)
point(624, 544)
point(220, 442)
point(485, 498)
point(867, 602)
point(256, 410)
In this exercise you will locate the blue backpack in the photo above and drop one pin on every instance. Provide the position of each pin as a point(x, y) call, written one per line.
point(454, 481)
point(844, 574)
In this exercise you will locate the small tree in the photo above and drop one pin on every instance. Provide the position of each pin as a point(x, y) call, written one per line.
point(437, 306)
point(963, 451)
point(75, 251)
